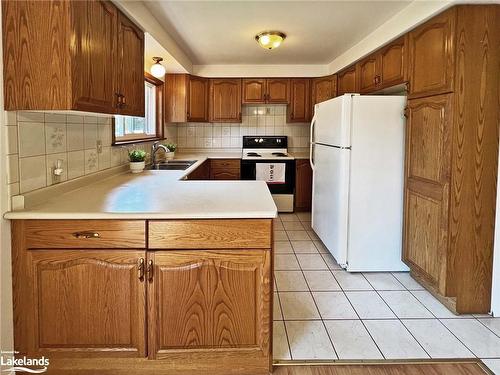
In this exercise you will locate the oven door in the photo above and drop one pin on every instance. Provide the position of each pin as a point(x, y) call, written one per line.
point(248, 173)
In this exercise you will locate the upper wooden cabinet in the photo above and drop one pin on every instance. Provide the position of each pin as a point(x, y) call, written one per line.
point(72, 55)
point(225, 100)
point(384, 68)
point(431, 56)
point(346, 81)
point(299, 109)
point(323, 88)
point(260, 90)
point(186, 98)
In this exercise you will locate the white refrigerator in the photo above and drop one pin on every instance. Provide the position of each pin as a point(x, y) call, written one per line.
point(357, 157)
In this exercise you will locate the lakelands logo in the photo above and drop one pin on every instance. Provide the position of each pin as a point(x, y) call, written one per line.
point(23, 364)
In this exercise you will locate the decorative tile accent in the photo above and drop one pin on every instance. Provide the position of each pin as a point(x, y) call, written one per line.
point(55, 138)
point(91, 161)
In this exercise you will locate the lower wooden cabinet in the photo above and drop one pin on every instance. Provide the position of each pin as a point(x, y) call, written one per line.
point(209, 299)
point(303, 185)
point(225, 169)
point(200, 173)
point(81, 303)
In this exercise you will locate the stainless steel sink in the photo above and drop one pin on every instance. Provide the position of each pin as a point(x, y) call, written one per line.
point(173, 165)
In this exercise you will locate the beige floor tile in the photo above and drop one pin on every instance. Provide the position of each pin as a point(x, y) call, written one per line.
point(321, 247)
point(351, 281)
point(435, 307)
point(311, 262)
point(293, 225)
point(394, 340)
point(277, 315)
point(321, 281)
point(409, 282)
point(383, 281)
point(285, 262)
point(475, 336)
point(312, 234)
point(280, 235)
point(369, 305)
point(290, 281)
point(298, 306)
point(281, 350)
point(306, 247)
point(334, 305)
point(298, 235)
point(331, 262)
point(309, 340)
point(437, 341)
point(307, 225)
point(405, 305)
point(283, 247)
point(493, 324)
point(304, 216)
point(278, 225)
point(351, 340)
point(288, 217)
point(493, 364)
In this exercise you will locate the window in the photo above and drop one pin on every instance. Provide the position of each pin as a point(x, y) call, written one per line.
point(128, 129)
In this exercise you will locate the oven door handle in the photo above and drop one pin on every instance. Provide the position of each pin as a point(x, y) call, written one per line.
point(311, 142)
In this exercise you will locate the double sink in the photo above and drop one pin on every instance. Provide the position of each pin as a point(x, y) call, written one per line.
point(173, 165)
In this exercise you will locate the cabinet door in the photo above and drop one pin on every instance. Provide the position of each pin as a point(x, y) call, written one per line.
point(225, 100)
point(201, 173)
point(254, 91)
point(299, 109)
point(323, 88)
point(197, 99)
point(427, 184)
point(431, 56)
point(392, 63)
point(346, 81)
point(94, 24)
point(367, 74)
point(303, 185)
point(277, 90)
point(83, 302)
point(218, 299)
point(130, 67)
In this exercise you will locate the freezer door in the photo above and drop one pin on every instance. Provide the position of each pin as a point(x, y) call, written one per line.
point(330, 198)
point(332, 124)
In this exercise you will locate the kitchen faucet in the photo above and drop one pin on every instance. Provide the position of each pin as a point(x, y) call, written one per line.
point(156, 146)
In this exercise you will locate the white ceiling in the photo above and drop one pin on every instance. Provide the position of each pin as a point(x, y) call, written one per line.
point(222, 32)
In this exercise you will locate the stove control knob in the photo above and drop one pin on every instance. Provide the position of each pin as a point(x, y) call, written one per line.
point(261, 140)
point(256, 140)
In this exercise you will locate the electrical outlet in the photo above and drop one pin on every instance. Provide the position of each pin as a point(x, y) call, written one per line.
point(99, 146)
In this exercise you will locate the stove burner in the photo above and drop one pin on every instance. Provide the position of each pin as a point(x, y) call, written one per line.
point(280, 154)
point(253, 154)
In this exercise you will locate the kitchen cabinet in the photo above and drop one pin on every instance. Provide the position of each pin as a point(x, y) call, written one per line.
point(186, 98)
point(265, 90)
point(225, 100)
point(323, 89)
point(225, 169)
point(431, 55)
point(299, 109)
point(449, 197)
point(303, 185)
point(202, 172)
point(346, 81)
point(184, 302)
point(384, 68)
point(61, 72)
point(209, 299)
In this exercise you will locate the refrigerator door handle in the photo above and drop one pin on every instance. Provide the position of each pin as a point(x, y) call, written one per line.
point(311, 143)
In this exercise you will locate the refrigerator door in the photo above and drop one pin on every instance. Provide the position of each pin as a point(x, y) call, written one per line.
point(330, 198)
point(332, 122)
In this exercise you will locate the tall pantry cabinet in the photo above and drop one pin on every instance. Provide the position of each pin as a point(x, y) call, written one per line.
point(451, 154)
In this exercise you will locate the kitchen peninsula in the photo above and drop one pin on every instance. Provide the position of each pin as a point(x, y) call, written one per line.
point(147, 274)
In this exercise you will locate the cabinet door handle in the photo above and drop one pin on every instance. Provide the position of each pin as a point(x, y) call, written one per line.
point(118, 99)
point(86, 234)
point(140, 269)
point(150, 270)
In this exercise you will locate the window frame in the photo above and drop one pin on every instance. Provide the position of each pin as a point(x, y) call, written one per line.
point(140, 138)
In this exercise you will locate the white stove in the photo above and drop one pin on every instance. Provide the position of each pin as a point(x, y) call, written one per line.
point(270, 152)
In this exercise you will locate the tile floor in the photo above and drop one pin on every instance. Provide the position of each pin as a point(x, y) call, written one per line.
point(324, 312)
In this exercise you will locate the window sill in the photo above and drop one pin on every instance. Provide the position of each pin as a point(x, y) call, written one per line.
point(138, 140)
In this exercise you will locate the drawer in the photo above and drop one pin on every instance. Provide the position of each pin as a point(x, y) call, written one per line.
point(68, 234)
point(224, 174)
point(225, 163)
point(210, 234)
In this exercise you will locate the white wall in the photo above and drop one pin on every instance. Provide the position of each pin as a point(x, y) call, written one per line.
point(495, 293)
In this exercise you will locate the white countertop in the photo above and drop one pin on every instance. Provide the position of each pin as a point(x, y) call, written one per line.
point(158, 195)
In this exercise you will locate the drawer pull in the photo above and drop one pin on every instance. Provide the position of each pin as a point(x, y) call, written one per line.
point(89, 234)
point(140, 269)
point(150, 270)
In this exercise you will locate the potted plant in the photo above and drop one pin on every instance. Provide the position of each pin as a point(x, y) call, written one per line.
point(171, 148)
point(137, 160)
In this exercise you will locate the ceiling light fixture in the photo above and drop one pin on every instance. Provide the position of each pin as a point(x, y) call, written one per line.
point(270, 39)
point(158, 70)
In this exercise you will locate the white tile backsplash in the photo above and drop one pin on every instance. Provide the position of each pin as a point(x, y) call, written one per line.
point(256, 120)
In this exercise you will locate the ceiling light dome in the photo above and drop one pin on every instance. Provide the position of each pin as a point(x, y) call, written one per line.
point(270, 39)
point(158, 70)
